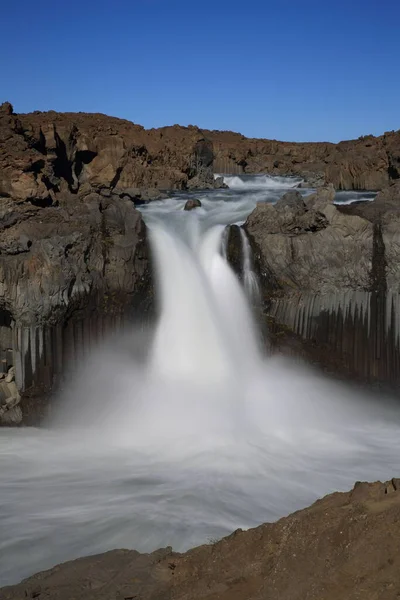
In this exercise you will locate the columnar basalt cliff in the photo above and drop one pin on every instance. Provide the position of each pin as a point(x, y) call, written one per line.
point(345, 546)
point(330, 274)
point(74, 261)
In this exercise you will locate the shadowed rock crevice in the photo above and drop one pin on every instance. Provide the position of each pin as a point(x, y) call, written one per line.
point(83, 157)
point(61, 164)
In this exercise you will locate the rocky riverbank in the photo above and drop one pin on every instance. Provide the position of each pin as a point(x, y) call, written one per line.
point(346, 545)
point(368, 163)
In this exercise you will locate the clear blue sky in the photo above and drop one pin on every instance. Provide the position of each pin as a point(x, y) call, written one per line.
point(288, 69)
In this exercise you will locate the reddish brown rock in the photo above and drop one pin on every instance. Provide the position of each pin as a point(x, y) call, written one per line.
point(368, 163)
point(345, 546)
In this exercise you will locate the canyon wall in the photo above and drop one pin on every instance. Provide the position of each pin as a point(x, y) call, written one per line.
point(368, 163)
point(330, 275)
point(74, 260)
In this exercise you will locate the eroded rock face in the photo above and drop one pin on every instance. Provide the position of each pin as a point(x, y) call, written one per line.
point(368, 163)
point(70, 253)
point(346, 545)
point(41, 150)
point(330, 274)
point(10, 411)
point(309, 250)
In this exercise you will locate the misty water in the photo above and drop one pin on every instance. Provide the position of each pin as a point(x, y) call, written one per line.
point(179, 434)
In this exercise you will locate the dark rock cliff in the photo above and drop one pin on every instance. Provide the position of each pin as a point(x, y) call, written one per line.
point(330, 275)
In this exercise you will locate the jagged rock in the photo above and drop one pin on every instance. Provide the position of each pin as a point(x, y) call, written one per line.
point(10, 375)
point(290, 215)
point(311, 250)
point(42, 151)
point(312, 180)
point(330, 275)
point(368, 163)
point(12, 416)
point(344, 546)
point(10, 412)
point(77, 253)
point(141, 196)
point(323, 196)
point(192, 204)
point(219, 184)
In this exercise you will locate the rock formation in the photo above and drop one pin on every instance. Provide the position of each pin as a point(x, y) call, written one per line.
point(368, 163)
point(73, 257)
point(346, 545)
point(330, 274)
point(192, 204)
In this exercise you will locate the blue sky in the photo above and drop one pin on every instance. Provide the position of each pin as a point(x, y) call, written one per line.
point(288, 69)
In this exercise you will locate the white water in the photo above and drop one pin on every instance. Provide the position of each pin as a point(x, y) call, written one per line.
point(257, 182)
point(249, 276)
point(181, 436)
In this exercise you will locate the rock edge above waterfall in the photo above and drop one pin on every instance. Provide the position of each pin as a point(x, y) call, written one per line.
point(346, 545)
point(329, 274)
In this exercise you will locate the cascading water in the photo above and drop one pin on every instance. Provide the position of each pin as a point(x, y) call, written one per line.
point(250, 280)
point(180, 435)
point(269, 182)
point(205, 327)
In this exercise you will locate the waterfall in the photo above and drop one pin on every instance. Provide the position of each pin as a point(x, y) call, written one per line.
point(250, 280)
point(184, 432)
point(205, 329)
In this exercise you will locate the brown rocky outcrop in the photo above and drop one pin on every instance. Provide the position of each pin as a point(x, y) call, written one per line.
point(368, 163)
point(41, 150)
point(73, 257)
point(346, 545)
point(330, 275)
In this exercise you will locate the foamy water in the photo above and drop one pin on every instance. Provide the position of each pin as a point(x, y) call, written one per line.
point(181, 434)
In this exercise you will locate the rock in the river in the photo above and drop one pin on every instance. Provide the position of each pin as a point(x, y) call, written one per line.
point(219, 184)
point(140, 196)
point(345, 546)
point(368, 163)
point(192, 204)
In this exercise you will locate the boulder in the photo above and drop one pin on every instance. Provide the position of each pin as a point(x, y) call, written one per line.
point(368, 163)
point(323, 196)
point(192, 204)
point(219, 184)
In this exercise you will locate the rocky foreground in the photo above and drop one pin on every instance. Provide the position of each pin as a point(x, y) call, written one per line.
point(344, 547)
